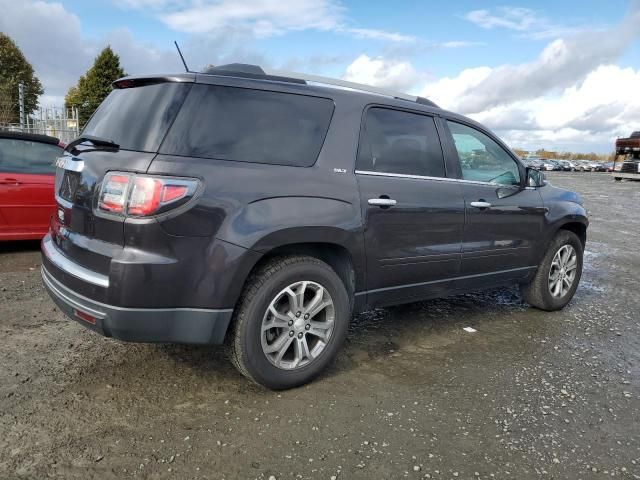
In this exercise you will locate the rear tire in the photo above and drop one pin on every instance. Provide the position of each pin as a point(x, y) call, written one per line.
point(280, 337)
point(558, 275)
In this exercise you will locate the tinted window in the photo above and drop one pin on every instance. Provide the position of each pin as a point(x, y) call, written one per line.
point(138, 118)
point(21, 156)
point(481, 158)
point(400, 142)
point(246, 125)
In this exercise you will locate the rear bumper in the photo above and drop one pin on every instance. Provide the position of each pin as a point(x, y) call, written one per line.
point(164, 325)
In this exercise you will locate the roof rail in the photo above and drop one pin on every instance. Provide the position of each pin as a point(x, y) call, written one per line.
point(254, 71)
point(351, 85)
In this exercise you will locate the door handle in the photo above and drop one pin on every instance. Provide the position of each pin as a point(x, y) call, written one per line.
point(382, 202)
point(481, 204)
point(9, 181)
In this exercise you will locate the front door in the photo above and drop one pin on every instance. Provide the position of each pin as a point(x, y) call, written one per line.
point(26, 187)
point(413, 214)
point(504, 218)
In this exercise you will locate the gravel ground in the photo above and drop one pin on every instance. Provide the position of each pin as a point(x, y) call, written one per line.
point(529, 395)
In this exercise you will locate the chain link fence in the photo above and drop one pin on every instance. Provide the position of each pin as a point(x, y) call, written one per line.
point(59, 122)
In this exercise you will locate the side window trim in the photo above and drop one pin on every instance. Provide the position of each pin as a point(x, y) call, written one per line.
point(451, 153)
point(436, 121)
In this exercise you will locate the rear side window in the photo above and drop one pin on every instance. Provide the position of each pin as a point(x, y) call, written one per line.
point(138, 118)
point(400, 142)
point(22, 156)
point(229, 123)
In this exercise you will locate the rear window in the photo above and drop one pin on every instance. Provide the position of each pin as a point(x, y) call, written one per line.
point(138, 118)
point(23, 156)
point(229, 123)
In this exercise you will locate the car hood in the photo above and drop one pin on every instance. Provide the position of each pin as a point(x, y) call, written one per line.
point(556, 194)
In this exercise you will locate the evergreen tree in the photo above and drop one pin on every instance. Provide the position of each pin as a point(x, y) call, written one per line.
point(94, 86)
point(15, 69)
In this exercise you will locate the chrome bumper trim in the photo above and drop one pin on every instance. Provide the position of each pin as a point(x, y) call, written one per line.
point(63, 263)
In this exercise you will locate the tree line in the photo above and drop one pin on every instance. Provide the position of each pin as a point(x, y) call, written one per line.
point(553, 155)
point(86, 95)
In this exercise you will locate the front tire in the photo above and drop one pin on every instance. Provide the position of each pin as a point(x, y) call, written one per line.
point(558, 275)
point(290, 322)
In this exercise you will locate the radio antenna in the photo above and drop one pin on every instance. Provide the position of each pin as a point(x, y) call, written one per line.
point(181, 57)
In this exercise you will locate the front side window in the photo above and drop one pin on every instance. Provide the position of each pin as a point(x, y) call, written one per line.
point(400, 142)
point(481, 158)
point(24, 156)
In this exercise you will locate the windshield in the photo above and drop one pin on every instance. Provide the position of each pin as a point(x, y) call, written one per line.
point(138, 118)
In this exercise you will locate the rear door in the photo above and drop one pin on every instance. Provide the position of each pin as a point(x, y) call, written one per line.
point(26, 187)
point(413, 214)
point(504, 219)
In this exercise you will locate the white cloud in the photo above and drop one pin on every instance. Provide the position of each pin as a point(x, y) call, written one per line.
point(527, 22)
point(561, 64)
point(586, 116)
point(512, 18)
point(367, 33)
point(396, 75)
point(263, 17)
point(36, 28)
point(60, 55)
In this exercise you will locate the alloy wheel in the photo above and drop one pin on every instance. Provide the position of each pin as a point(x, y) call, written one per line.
point(297, 325)
point(563, 271)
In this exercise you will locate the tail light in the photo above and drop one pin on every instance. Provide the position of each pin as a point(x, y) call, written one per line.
point(143, 195)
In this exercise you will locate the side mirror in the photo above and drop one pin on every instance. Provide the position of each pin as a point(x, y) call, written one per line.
point(535, 178)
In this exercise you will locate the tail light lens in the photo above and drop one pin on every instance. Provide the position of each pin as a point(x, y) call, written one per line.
point(143, 195)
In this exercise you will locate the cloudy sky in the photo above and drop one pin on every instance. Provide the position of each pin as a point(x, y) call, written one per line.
point(559, 75)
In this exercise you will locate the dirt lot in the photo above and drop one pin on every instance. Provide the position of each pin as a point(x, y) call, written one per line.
point(529, 395)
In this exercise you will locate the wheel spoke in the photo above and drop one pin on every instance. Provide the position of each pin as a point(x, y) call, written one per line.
point(301, 351)
point(296, 298)
point(316, 304)
point(283, 341)
point(278, 320)
point(283, 349)
point(321, 329)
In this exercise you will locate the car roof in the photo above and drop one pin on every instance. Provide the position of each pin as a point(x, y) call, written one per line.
point(31, 137)
point(249, 76)
point(244, 79)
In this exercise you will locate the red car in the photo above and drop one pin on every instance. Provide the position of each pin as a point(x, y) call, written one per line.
point(27, 184)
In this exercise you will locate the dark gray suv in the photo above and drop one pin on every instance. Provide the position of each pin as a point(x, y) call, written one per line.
point(262, 211)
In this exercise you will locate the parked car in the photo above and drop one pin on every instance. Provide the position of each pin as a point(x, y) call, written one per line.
point(26, 184)
point(597, 167)
point(550, 165)
point(534, 163)
point(583, 166)
point(565, 165)
point(234, 205)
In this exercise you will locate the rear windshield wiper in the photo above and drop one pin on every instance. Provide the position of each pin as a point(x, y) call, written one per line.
point(97, 141)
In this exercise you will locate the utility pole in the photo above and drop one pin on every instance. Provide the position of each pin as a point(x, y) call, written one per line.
point(21, 100)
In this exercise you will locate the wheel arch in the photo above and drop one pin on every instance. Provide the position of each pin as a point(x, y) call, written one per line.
point(337, 256)
point(579, 228)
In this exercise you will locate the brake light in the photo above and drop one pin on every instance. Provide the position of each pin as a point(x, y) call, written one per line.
point(143, 195)
point(114, 193)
